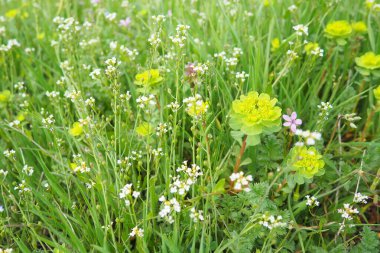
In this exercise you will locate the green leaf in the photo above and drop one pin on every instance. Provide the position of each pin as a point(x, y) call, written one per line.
point(341, 42)
point(219, 187)
point(237, 135)
point(369, 242)
point(252, 130)
point(246, 161)
point(253, 140)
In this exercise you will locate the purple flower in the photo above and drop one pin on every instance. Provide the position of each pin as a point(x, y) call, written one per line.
point(125, 22)
point(292, 121)
point(189, 68)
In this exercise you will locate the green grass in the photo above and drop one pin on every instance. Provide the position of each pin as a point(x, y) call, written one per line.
point(67, 211)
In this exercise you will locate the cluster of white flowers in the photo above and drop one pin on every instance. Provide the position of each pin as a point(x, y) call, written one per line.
point(111, 69)
point(88, 43)
point(127, 161)
point(292, 8)
point(360, 198)
point(126, 96)
point(61, 81)
point(144, 102)
point(157, 152)
point(180, 38)
point(270, 221)
point(242, 76)
point(29, 50)
point(73, 95)
point(317, 51)
point(67, 27)
point(195, 215)
point(181, 185)
point(95, 74)
point(174, 106)
point(79, 166)
point(90, 184)
point(2, 30)
point(230, 61)
point(301, 29)
point(131, 53)
point(126, 194)
point(136, 231)
point(65, 66)
point(14, 123)
point(350, 118)
point(158, 19)
point(52, 94)
point(10, 44)
point(292, 54)
point(311, 201)
point(309, 137)
point(90, 101)
point(10, 153)
point(195, 106)
point(168, 208)
point(110, 16)
point(8, 250)
point(221, 55)
point(154, 39)
point(3, 172)
point(241, 182)
point(237, 52)
point(162, 129)
point(22, 187)
point(348, 211)
point(199, 69)
point(324, 110)
point(28, 170)
point(48, 122)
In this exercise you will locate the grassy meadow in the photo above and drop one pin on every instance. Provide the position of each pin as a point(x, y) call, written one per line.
point(189, 126)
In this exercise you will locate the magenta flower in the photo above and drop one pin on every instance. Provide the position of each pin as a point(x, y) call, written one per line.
point(292, 121)
point(125, 22)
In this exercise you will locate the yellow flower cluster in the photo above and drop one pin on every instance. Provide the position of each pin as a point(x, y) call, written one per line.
point(76, 130)
point(338, 29)
point(148, 78)
point(359, 27)
point(144, 129)
point(341, 29)
point(275, 44)
point(368, 61)
point(254, 114)
point(306, 161)
point(5, 96)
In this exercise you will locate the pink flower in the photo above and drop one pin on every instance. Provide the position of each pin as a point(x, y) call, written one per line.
point(292, 121)
point(125, 22)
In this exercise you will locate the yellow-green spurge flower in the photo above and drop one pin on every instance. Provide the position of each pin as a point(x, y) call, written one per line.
point(254, 114)
point(368, 61)
point(305, 162)
point(148, 78)
point(338, 29)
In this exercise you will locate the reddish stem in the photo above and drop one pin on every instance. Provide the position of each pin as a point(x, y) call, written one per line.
point(238, 160)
